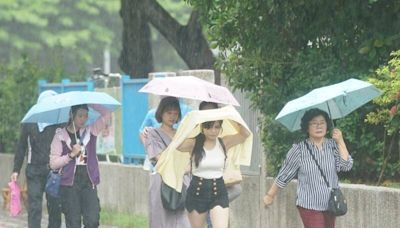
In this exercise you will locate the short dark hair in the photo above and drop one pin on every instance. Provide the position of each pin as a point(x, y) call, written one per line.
point(310, 114)
point(75, 108)
point(208, 105)
point(166, 104)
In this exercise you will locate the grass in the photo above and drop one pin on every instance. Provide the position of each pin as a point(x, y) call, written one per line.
point(386, 183)
point(122, 220)
point(391, 184)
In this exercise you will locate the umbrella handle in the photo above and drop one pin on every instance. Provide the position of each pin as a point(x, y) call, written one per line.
point(330, 115)
point(73, 125)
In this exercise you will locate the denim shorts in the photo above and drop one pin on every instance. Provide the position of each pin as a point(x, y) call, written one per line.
point(204, 194)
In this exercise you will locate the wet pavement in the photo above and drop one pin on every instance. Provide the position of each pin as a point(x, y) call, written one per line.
point(21, 221)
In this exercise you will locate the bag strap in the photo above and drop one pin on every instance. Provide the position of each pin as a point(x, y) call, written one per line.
point(223, 148)
point(319, 167)
point(165, 144)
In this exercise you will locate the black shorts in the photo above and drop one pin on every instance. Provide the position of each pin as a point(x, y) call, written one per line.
point(204, 194)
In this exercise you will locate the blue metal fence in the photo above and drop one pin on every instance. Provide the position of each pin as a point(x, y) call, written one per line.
point(65, 86)
point(134, 109)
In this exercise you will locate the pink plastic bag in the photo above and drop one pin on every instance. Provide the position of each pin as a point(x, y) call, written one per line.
point(15, 201)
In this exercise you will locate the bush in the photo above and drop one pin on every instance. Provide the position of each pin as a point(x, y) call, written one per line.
point(18, 92)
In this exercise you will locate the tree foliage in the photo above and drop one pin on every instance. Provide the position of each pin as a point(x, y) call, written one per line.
point(84, 28)
point(279, 50)
point(387, 79)
point(18, 92)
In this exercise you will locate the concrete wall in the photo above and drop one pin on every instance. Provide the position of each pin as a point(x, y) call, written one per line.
point(124, 188)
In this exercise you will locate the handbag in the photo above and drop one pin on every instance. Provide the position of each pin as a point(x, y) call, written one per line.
point(53, 183)
point(337, 204)
point(15, 199)
point(172, 199)
point(232, 177)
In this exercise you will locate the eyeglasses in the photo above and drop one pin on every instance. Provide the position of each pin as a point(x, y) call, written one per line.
point(316, 124)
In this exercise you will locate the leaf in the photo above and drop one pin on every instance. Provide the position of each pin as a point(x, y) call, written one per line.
point(364, 50)
point(379, 43)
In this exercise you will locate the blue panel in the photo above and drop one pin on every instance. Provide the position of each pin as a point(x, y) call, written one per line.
point(66, 86)
point(134, 110)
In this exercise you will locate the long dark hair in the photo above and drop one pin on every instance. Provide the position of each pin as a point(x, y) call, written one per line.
point(74, 110)
point(198, 149)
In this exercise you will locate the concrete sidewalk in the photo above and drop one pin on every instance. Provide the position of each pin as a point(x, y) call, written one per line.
point(21, 221)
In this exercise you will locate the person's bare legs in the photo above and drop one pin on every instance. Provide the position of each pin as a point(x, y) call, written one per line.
point(219, 217)
point(197, 220)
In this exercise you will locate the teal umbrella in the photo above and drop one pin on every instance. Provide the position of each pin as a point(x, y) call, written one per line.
point(338, 100)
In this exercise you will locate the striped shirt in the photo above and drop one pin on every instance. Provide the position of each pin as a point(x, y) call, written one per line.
point(312, 192)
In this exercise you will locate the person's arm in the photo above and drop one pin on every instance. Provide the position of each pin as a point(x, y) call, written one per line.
point(154, 145)
point(187, 145)
point(270, 196)
point(20, 153)
point(343, 160)
point(101, 122)
point(233, 140)
point(143, 134)
point(338, 137)
point(287, 172)
point(57, 160)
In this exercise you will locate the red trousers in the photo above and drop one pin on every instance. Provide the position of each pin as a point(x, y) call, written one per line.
point(316, 219)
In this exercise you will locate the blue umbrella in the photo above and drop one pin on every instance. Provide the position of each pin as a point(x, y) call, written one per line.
point(337, 100)
point(56, 109)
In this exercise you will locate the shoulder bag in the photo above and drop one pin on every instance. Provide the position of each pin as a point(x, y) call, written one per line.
point(53, 183)
point(337, 204)
point(170, 198)
point(230, 176)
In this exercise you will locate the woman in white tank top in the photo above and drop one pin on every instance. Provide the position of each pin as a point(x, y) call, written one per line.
point(207, 190)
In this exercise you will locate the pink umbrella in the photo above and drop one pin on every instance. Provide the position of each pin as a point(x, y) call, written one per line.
point(190, 87)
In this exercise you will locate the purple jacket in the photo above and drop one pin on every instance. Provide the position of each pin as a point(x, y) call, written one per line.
point(92, 164)
point(60, 147)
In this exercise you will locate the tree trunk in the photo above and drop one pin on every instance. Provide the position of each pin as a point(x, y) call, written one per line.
point(188, 40)
point(136, 56)
point(393, 141)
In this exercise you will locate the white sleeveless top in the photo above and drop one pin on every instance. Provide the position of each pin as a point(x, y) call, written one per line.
point(212, 164)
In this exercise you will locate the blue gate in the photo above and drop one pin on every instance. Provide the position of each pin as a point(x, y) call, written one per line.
point(65, 86)
point(134, 109)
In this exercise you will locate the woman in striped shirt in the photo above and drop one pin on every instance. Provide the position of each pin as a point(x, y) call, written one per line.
point(332, 156)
